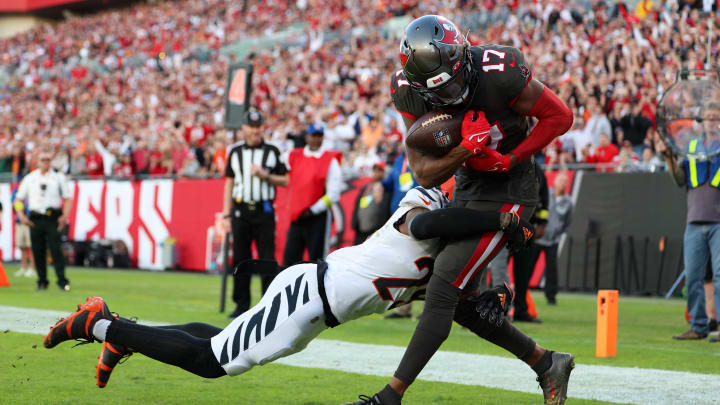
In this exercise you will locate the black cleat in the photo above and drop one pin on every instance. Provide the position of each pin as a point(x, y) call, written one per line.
point(554, 382)
point(110, 356)
point(366, 400)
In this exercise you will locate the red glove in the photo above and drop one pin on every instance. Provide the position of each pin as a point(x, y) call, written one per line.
point(475, 131)
point(489, 160)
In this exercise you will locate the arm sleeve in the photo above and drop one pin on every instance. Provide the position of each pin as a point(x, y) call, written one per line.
point(229, 172)
point(333, 185)
point(554, 119)
point(280, 167)
point(22, 189)
point(64, 186)
point(453, 223)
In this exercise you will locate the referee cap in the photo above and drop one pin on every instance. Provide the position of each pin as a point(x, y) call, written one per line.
point(253, 118)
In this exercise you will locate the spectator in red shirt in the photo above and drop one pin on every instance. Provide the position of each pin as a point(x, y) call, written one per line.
point(125, 168)
point(604, 154)
point(140, 157)
point(93, 161)
point(156, 167)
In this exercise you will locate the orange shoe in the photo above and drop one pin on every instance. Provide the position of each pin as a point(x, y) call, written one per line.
point(110, 356)
point(79, 324)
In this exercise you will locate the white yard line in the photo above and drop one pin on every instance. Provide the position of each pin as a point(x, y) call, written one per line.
point(603, 383)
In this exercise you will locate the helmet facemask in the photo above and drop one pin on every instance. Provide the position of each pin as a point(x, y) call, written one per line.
point(452, 91)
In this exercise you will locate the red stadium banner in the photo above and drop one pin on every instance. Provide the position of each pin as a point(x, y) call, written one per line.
point(147, 214)
point(29, 5)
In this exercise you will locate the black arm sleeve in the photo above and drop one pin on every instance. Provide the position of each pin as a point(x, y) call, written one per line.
point(455, 223)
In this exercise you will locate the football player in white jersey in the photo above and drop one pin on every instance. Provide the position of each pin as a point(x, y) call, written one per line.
point(391, 268)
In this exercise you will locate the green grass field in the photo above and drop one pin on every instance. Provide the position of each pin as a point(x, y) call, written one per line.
point(30, 374)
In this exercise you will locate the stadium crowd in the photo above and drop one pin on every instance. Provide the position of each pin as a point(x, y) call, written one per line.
point(147, 97)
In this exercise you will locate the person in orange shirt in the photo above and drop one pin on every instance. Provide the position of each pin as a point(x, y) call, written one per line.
point(372, 132)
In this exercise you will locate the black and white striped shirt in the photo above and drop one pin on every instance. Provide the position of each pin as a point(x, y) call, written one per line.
point(250, 188)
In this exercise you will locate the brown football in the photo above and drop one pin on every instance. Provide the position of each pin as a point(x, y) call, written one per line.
point(436, 132)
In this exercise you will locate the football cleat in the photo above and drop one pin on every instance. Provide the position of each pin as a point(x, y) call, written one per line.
point(554, 381)
point(79, 325)
point(366, 400)
point(110, 356)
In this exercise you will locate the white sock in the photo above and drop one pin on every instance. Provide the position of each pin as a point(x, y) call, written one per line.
point(100, 329)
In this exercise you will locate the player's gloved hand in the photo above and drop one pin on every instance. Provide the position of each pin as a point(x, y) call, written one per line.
point(494, 304)
point(517, 230)
point(475, 131)
point(489, 160)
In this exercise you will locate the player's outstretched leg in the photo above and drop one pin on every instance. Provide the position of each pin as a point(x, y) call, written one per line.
point(170, 346)
point(112, 354)
point(79, 325)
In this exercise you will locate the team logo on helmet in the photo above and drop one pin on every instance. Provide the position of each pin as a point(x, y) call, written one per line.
point(404, 53)
point(442, 138)
point(450, 31)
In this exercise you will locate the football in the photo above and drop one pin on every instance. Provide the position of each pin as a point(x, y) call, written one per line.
point(436, 132)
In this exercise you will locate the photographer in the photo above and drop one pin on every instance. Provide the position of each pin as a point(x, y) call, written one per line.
point(702, 233)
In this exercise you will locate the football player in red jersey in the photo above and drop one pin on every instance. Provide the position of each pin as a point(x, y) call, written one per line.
point(495, 86)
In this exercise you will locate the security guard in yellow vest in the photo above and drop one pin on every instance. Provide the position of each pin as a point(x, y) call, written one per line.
point(49, 200)
point(700, 173)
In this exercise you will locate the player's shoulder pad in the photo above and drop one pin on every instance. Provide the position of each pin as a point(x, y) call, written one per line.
point(430, 198)
point(406, 101)
point(502, 66)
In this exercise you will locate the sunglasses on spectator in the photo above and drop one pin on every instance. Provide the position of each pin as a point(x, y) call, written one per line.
point(44, 159)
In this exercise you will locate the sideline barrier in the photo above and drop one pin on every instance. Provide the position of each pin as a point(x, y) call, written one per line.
point(145, 213)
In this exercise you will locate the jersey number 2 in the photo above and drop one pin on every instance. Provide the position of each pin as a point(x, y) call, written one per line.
point(486, 58)
point(384, 284)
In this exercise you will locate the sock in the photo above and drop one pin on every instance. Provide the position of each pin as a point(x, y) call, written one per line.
point(171, 346)
point(544, 363)
point(389, 396)
point(100, 329)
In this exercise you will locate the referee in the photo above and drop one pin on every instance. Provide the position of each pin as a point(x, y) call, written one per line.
point(49, 200)
point(253, 170)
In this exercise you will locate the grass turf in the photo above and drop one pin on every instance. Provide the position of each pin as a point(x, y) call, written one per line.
point(645, 327)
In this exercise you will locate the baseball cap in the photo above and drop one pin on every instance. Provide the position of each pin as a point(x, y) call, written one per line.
point(379, 165)
point(253, 118)
point(315, 129)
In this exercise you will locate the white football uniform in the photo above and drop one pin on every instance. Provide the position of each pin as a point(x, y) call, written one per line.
point(387, 270)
